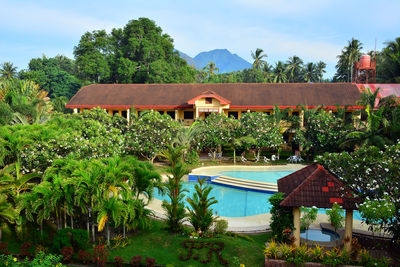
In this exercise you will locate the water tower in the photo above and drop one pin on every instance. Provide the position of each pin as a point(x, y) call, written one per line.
point(365, 70)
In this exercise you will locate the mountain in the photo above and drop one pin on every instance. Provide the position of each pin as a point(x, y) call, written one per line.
point(223, 59)
point(190, 61)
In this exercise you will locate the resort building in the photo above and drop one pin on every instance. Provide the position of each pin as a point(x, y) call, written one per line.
point(188, 102)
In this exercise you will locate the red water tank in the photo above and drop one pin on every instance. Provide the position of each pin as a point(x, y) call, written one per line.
point(365, 61)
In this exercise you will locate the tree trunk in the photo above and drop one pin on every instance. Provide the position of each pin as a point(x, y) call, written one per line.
point(41, 229)
point(65, 218)
point(88, 226)
point(234, 156)
point(93, 234)
point(108, 234)
point(0, 234)
point(123, 229)
point(72, 222)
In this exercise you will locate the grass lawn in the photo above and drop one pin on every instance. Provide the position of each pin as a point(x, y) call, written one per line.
point(165, 248)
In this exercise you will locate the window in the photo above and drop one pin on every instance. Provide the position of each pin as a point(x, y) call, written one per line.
point(234, 114)
point(295, 113)
point(208, 100)
point(171, 114)
point(161, 112)
point(115, 112)
point(188, 115)
point(124, 114)
point(267, 112)
point(348, 117)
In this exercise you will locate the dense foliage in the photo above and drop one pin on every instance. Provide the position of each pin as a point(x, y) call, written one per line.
point(370, 168)
point(138, 53)
point(281, 222)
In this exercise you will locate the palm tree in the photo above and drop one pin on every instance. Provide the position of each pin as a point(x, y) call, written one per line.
point(370, 133)
point(172, 154)
point(258, 56)
point(353, 54)
point(7, 212)
point(321, 69)
point(201, 215)
point(210, 69)
point(8, 71)
point(293, 67)
point(109, 209)
point(280, 73)
point(310, 73)
point(143, 180)
point(389, 69)
point(175, 209)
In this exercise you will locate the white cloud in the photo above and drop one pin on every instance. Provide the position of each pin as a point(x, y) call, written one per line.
point(38, 19)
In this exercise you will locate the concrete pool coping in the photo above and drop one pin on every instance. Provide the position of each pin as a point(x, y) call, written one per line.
point(251, 224)
point(215, 170)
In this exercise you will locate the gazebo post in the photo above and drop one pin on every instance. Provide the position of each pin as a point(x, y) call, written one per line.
point(348, 230)
point(296, 222)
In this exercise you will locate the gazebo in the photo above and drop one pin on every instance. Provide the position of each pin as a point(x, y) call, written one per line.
point(315, 186)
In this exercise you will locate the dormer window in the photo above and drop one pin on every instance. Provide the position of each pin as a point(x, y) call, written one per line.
point(208, 100)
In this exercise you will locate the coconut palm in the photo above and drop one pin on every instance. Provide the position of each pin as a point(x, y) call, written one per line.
point(353, 51)
point(389, 69)
point(8, 70)
point(143, 180)
point(258, 56)
point(293, 68)
point(211, 69)
point(280, 72)
point(310, 73)
point(320, 69)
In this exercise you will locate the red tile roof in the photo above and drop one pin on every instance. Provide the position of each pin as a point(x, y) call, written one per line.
point(241, 95)
point(315, 186)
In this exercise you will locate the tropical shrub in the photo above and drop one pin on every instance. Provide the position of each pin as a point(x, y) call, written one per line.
point(175, 208)
point(41, 260)
point(336, 216)
point(67, 253)
point(118, 261)
point(281, 218)
point(221, 226)
point(67, 237)
point(136, 261)
point(369, 167)
point(200, 214)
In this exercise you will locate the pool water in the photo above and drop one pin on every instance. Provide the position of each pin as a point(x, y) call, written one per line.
point(236, 202)
point(231, 202)
point(259, 176)
point(319, 235)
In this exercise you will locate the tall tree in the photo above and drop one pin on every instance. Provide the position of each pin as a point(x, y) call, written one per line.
point(389, 64)
point(280, 73)
point(54, 75)
point(138, 53)
point(211, 69)
point(345, 66)
point(310, 73)
point(8, 70)
point(294, 66)
point(321, 70)
point(258, 56)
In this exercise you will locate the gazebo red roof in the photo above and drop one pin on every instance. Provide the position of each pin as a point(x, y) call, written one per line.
point(315, 186)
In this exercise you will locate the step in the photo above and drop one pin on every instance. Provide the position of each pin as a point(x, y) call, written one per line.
point(245, 184)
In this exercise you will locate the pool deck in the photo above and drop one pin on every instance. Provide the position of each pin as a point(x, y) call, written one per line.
point(215, 170)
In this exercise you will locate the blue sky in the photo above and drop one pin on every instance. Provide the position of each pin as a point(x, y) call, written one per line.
point(311, 29)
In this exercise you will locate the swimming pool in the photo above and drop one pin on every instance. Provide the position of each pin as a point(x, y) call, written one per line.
point(259, 176)
point(319, 235)
point(236, 202)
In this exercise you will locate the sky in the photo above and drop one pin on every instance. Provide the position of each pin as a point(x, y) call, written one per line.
point(311, 29)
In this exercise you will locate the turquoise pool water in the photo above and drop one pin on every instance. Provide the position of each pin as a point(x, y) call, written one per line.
point(259, 176)
point(235, 202)
point(319, 235)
